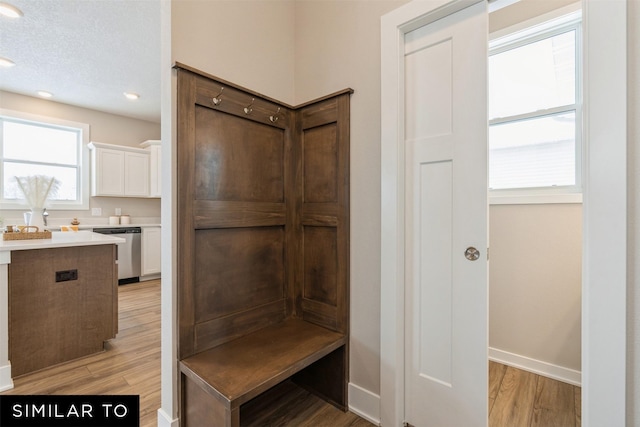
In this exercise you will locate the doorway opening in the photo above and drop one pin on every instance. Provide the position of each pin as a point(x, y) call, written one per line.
point(604, 257)
point(535, 214)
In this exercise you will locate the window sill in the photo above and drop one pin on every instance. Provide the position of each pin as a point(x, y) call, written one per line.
point(10, 206)
point(535, 199)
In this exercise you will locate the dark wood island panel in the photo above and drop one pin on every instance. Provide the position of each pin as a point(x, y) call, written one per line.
point(51, 321)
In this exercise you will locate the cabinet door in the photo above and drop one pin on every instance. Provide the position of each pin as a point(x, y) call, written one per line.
point(151, 243)
point(109, 173)
point(136, 174)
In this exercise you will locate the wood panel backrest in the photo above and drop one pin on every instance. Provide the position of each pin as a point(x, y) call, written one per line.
point(262, 216)
point(323, 224)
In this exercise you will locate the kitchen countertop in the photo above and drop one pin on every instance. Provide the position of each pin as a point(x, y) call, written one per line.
point(91, 227)
point(91, 223)
point(61, 239)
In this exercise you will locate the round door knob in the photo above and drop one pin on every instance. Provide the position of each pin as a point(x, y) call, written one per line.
point(472, 253)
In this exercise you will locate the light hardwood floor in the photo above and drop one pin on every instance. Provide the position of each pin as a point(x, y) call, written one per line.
point(521, 399)
point(131, 365)
point(289, 405)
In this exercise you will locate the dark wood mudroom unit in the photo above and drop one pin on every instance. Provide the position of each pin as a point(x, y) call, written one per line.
point(263, 246)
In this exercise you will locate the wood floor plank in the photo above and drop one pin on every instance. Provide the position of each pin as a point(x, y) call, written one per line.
point(496, 374)
point(262, 407)
point(578, 404)
point(330, 416)
point(50, 384)
point(554, 404)
point(294, 409)
point(514, 402)
point(144, 373)
point(290, 405)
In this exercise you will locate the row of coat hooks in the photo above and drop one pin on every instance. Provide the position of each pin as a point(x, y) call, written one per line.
point(217, 100)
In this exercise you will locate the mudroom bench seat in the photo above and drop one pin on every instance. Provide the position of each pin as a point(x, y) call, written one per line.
point(217, 381)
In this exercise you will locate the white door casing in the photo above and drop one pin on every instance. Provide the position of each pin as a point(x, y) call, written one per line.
point(604, 244)
point(445, 139)
point(604, 259)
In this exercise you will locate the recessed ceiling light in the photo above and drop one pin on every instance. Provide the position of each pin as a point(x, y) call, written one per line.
point(10, 10)
point(44, 94)
point(5, 62)
point(131, 95)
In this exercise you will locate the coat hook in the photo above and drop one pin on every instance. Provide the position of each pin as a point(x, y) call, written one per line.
point(274, 118)
point(217, 100)
point(249, 108)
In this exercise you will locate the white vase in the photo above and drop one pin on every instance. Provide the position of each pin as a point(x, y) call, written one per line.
point(37, 219)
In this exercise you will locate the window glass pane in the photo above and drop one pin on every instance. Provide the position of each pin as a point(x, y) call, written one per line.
point(25, 141)
point(68, 177)
point(533, 77)
point(532, 153)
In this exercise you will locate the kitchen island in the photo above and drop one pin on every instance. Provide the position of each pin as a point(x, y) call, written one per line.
point(58, 300)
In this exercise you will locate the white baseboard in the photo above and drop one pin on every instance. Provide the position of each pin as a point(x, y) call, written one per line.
point(364, 403)
point(164, 420)
point(545, 369)
point(6, 383)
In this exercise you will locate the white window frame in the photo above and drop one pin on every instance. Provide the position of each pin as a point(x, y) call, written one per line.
point(83, 162)
point(562, 21)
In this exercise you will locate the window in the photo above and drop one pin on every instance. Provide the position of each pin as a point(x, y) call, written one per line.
point(34, 145)
point(535, 113)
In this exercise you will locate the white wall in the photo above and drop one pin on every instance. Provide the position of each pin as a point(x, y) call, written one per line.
point(633, 114)
point(249, 43)
point(523, 10)
point(535, 282)
point(104, 127)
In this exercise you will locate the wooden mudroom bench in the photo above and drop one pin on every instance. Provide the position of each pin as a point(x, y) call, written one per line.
point(263, 247)
point(233, 373)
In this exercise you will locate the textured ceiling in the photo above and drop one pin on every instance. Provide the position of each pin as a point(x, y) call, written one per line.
point(86, 52)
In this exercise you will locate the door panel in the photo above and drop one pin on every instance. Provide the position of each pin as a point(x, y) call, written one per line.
point(446, 212)
point(432, 302)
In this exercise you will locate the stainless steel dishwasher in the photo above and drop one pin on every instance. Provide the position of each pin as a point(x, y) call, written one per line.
point(129, 252)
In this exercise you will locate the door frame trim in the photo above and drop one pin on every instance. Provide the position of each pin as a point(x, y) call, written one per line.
point(604, 243)
point(604, 281)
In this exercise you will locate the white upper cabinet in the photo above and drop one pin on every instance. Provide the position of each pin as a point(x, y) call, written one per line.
point(136, 174)
point(108, 172)
point(119, 171)
point(155, 166)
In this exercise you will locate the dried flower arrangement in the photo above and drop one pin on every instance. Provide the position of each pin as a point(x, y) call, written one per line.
point(37, 189)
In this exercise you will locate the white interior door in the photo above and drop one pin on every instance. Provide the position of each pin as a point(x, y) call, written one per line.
point(445, 69)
